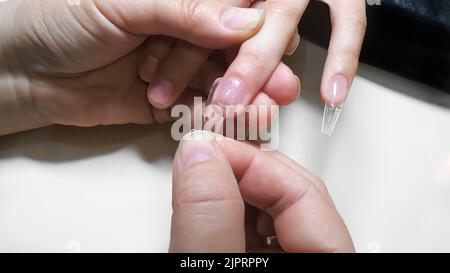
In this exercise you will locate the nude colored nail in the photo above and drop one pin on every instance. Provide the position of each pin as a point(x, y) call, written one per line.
point(161, 92)
point(243, 19)
point(337, 90)
point(229, 91)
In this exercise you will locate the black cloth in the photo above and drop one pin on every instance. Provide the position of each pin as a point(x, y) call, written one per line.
point(407, 37)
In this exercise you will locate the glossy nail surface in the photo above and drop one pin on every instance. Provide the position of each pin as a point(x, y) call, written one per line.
point(337, 90)
point(334, 96)
point(242, 19)
point(228, 91)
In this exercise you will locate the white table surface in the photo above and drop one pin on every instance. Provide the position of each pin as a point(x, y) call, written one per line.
point(65, 189)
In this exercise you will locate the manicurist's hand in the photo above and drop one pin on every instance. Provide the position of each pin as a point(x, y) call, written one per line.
point(226, 199)
point(75, 62)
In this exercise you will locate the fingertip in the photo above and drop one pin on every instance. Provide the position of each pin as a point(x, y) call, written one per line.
point(283, 86)
point(208, 211)
point(335, 90)
point(161, 93)
point(293, 44)
point(148, 67)
point(266, 111)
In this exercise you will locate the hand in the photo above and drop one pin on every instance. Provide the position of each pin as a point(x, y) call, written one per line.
point(170, 65)
point(161, 67)
point(259, 56)
point(76, 62)
point(225, 199)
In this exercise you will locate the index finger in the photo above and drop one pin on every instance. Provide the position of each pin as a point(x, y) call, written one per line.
point(260, 55)
point(305, 218)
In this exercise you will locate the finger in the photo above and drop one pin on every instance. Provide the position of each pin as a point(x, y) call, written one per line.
point(206, 23)
point(263, 111)
point(304, 218)
point(134, 107)
point(155, 52)
point(206, 76)
point(295, 39)
point(349, 26)
point(261, 118)
point(283, 86)
point(293, 44)
point(260, 55)
point(300, 169)
point(263, 107)
point(208, 211)
point(173, 78)
point(175, 73)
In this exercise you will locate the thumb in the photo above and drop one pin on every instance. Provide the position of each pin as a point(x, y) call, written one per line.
point(208, 211)
point(206, 23)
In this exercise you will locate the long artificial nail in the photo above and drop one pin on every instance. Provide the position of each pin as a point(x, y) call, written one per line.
point(330, 118)
point(242, 19)
point(197, 147)
point(335, 97)
point(212, 91)
point(161, 92)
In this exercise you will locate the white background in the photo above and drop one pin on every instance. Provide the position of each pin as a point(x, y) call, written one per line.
point(387, 166)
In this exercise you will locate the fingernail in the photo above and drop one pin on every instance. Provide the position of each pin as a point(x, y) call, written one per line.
point(228, 91)
point(297, 38)
point(161, 92)
point(243, 19)
point(212, 91)
point(197, 147)
point(337, 90)
point(299, 86)
point(335, 97)
point(148, 68)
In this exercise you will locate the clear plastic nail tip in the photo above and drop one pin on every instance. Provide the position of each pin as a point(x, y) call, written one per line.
point(331, 115)
point(212, 91)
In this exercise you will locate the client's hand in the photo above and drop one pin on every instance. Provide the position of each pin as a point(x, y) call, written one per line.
point(170, 64)
point(226, 199)
point(258, 59)
point(76, 62)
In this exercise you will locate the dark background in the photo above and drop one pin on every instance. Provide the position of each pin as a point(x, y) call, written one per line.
point(410, 38)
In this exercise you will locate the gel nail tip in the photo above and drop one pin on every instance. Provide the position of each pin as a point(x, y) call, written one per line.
point(212, 91)
point(330, 118)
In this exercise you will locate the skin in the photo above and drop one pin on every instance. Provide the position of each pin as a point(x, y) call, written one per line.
point(79, 64)
point(259, 57)
point(240, 200)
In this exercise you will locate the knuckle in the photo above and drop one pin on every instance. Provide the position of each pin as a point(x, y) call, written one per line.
point(252, 57)
point(282, 9)
point(357, 19)
point(348, 54)
point(189, 10)
point(197, 192)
